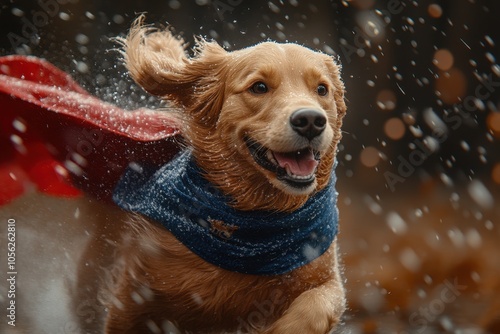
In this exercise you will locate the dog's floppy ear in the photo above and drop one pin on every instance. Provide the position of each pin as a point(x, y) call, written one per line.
point(158, 62)
point(339, 92)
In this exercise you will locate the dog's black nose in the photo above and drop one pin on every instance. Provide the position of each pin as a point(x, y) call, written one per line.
point(308, 123)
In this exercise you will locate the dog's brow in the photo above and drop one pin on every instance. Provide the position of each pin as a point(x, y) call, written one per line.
point(316, 75)
point(317, 72)
point(264, 71)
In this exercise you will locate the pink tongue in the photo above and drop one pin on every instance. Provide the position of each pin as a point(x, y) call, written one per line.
point(301, 163)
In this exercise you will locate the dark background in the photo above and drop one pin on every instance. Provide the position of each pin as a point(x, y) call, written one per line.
point(386, 48)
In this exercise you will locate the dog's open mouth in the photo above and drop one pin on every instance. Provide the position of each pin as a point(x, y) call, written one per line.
point(296, 168)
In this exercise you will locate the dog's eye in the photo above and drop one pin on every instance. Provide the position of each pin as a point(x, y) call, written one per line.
point(259, 88)
point(322, 90)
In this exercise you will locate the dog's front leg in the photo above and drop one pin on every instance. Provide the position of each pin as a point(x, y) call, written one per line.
point(315, 311)
point(319, 310)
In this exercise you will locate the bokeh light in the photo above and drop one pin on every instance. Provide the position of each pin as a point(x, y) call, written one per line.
point(451, 86)
point(394, 128)
point(370, 156)
point(386, 100)
point(435, 10)
point(363, 4)
point(493, 123)
point(443, 59)
point(495, 173)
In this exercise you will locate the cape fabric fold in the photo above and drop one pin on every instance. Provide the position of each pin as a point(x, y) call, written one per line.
point(58, 139)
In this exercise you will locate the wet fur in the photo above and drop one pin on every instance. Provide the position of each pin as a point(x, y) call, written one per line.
point(211, 88)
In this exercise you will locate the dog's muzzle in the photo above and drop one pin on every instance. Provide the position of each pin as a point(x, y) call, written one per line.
point(295, 168)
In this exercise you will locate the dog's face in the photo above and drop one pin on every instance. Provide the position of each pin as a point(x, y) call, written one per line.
point(264, 121)
point(279, 113)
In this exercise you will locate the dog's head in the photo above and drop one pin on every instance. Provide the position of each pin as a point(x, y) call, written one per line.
point(264, 121)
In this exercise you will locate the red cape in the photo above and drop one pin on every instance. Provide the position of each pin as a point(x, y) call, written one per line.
point(58, 139)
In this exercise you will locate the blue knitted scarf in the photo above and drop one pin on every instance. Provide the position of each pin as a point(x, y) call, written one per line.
point(253, 242)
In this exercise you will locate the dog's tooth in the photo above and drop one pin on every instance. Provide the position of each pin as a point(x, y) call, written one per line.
point(299, 177)
point(270, 156)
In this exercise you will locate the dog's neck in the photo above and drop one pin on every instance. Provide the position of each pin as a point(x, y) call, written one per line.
point(180, 198)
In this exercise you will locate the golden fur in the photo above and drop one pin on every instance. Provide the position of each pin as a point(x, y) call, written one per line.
point(219, 112)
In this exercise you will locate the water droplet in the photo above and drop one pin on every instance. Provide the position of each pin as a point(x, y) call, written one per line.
point(416, 131)
point(16, 140)
point(446, 179)
point(137, 298)
point(489, 40)
point(119, 19)
point(19, 125)
point(73, 167)
point(153, 327)
point(457, 237)
point(64, 16)
point(197, 298)
point(396, 223)
point(17, 12)
point(434, 121)
point(372, 205)
point(82, 39)
point(446, 323)
point(410, 260)
point(82, 67)
point(473, 238)
point(496, 69)
point(490, 57)
point(489, 225)
point(475, 276)
point(328, 49)
point(273, 7)
point(431, 143)
point(464, 145)
point(310, 252)
point(480, 194)
point(419, 213)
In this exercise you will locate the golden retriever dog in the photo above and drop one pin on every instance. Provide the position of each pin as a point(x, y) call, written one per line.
point(262, 125)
